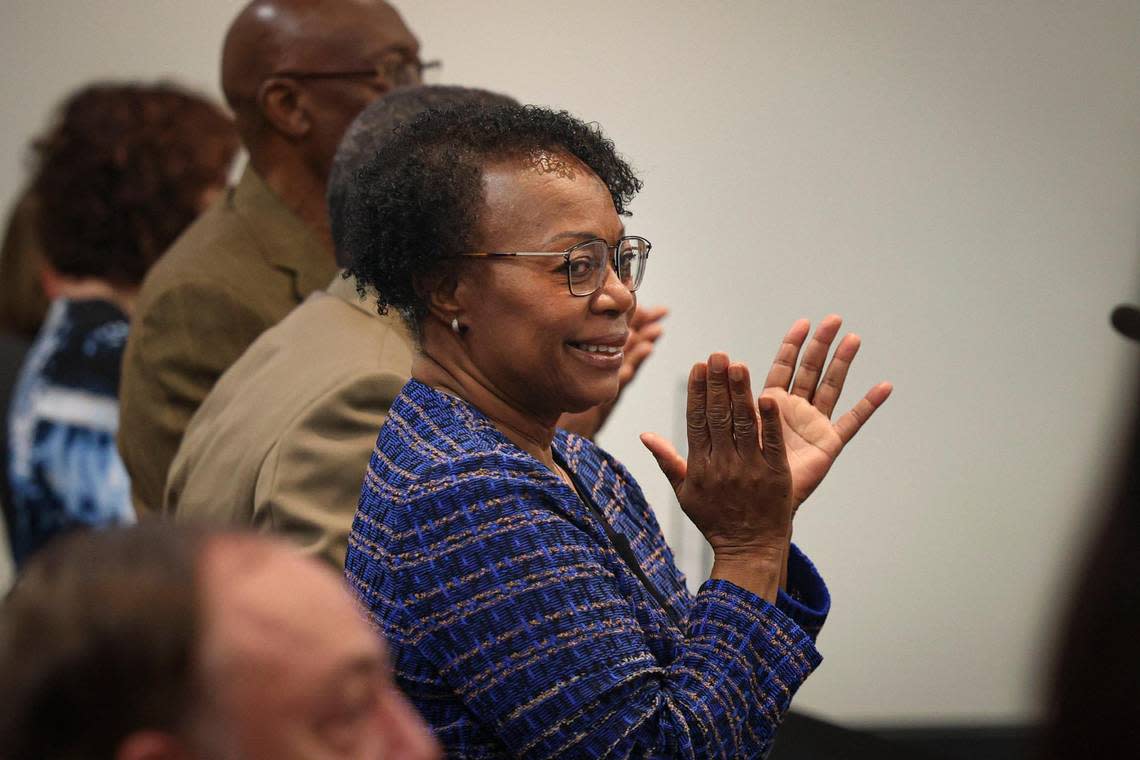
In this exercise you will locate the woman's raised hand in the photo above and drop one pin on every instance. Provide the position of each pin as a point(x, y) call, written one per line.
point(808, 396)
point(735, 485)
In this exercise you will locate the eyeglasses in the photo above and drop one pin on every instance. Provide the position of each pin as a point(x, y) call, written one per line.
point(586, 269)
point(394, 72)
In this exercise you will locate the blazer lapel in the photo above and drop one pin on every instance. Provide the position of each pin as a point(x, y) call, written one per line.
point(284, 240)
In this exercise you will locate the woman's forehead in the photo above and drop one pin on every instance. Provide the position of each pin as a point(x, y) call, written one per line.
point(544, 195)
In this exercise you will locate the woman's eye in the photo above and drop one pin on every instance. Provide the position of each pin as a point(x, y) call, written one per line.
point(626, 262)
point(581, 268)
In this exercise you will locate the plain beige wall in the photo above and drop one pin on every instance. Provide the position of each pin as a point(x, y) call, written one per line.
point(960, 179)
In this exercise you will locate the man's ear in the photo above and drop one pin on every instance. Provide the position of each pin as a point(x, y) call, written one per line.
point(282, 103)
point(152, 745)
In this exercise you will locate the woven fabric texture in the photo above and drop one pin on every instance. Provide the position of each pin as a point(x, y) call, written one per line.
point(517, 629)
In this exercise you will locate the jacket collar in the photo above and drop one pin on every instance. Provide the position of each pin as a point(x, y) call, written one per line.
point(344, 288)
point(284, 240)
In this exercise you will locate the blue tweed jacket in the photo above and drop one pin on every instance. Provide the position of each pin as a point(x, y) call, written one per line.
point(517, 628)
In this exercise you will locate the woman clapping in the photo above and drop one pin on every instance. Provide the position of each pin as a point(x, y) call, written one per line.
point(530, 601)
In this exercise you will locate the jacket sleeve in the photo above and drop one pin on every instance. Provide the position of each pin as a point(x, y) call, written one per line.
point(309, 484)
point(178, 347)
point(515, 606)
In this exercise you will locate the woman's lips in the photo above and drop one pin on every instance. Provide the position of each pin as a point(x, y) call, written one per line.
point(605, 353)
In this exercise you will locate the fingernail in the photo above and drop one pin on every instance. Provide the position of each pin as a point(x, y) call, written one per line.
point(718, 362)
point(736, 374)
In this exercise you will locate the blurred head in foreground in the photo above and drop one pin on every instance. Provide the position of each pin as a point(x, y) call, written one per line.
point(151, 643)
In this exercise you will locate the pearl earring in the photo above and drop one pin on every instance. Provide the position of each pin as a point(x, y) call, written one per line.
point(455, 325)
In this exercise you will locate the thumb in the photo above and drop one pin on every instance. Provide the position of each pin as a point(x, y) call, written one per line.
point(671, 463)
point(772, 434)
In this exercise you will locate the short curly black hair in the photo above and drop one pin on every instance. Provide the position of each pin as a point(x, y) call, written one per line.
point(123, 172)
point(376, 124)
point(417, 202)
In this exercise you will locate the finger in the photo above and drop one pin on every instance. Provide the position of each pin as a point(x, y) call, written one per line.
point(848, 425)
point(719, 404)
point(772, 434)
point(670, 462)
point(644, 316)
point(697, 424)
point(784, 366)
point(744, 422)
point(830, 388)
point(811, 364)
point(647, 334)
point(632, 362)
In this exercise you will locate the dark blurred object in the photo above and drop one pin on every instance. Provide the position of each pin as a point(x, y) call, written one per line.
point(1126, 319)
point(804, 737)
point(12, 352)
point(23, 303)
point(963, 742)
point(1093, 709)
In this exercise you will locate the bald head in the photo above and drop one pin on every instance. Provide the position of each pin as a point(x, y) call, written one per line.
point(293, 661)
point(271, 52)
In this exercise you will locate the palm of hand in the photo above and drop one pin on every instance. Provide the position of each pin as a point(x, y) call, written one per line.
point(811, 441)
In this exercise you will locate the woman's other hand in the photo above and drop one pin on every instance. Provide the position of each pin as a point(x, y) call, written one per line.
point(735, 485)
point(807, 401)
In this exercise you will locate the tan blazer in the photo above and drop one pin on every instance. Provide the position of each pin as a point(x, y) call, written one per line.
point(235, 272)
point(282, 442)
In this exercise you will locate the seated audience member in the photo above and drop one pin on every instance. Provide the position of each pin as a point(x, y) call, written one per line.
point(120, 176)
point(149, 643)
point(282, 441)
point(532, 606)
point(1093, 706)
point(295, 73)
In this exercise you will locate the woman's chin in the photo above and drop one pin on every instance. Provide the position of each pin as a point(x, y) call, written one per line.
point(589, 397)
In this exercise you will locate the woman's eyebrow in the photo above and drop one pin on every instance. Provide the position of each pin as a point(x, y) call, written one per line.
point(581, 236)
point(572, 235)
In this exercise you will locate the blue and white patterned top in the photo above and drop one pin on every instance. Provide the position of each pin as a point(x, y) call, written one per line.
point(518, 629)
point(63, 469)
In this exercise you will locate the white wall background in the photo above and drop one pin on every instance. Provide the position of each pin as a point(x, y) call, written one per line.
point(960, 179)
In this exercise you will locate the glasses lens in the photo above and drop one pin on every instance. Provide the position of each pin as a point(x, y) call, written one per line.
point(631, 257)
point(587, 267)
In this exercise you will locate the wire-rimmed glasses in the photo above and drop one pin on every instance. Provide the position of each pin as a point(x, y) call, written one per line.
point(394, 72)
point(586, 269)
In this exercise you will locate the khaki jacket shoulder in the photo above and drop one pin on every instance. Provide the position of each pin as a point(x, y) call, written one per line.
point(283, 441)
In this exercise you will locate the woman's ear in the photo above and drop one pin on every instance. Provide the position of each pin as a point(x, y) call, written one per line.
point(282, 103)
point(443, 293)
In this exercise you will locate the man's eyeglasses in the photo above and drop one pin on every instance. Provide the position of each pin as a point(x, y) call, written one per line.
point(586, 269)
point(393, 73)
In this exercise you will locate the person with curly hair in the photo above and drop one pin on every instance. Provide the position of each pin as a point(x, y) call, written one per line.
point(123, 172)
point(532, 605)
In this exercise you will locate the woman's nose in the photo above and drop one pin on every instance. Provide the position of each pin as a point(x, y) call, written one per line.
point(614, 295)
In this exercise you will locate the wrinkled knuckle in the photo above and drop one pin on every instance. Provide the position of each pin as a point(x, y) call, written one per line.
point(719, 419)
